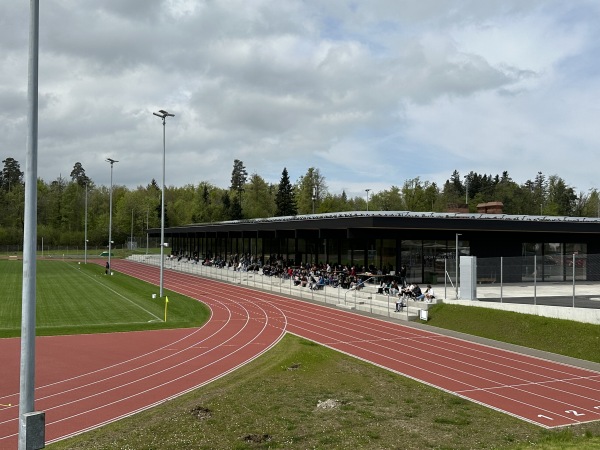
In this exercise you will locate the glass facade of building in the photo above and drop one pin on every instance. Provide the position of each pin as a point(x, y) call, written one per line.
point(427, 244)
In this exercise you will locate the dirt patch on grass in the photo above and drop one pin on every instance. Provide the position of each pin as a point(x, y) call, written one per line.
point(201, 413)
point(257, 438)
point(328, 404)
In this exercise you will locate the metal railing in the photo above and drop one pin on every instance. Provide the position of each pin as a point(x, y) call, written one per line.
point(365, 299)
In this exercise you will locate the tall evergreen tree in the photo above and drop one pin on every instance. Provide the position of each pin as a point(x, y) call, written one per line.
point(285, 198)
point(239, 175)
point(78, 175)
point(236, 209)
point(11, 174)
point(153, 185)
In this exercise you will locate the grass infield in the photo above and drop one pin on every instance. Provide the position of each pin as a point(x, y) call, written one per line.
point(73, 298)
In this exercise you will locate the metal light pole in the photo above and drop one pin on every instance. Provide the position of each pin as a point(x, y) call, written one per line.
point(147, 227)
point(314, 197)
point(367, 191)
point(456, 266)
point(85, 227)
point(467, 192)
point(31, 424)
point(111, 161)
point(163, 115)
point(131, 238)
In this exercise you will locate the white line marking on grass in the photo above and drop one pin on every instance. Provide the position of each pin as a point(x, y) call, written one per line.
point(156, 318)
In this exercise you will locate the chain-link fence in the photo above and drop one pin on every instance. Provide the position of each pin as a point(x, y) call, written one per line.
point(570, 281)
point(136, 246)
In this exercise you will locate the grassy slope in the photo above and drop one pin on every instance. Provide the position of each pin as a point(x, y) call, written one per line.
point(578, 340)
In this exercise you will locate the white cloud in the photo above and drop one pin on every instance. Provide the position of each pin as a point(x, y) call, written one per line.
point(371, 93)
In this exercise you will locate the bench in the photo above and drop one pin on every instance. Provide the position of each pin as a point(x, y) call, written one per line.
point(486, 280)
point(13, 257)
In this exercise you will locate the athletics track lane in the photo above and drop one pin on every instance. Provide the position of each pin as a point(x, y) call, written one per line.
point(86, 381)
point(543, 392)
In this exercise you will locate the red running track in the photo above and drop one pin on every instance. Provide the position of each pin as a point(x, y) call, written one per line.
point(86, 381)
point(81, 385)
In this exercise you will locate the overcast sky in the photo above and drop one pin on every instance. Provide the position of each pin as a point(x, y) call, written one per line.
point(370, 92)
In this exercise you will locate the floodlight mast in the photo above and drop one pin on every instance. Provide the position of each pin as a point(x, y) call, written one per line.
point(163, 115)
point(28, 434)
point(111, 161)
point(85, 225)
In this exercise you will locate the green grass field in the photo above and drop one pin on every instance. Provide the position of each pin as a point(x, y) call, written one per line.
point(73, 298)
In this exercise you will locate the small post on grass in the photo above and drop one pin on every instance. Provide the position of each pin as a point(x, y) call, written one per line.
point(166, 303)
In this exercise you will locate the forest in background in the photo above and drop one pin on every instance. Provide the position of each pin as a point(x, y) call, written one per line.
point(62, 202)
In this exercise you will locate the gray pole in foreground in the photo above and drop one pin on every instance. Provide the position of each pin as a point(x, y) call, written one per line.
point(163, 115)
point(147, 227)
point(85, 227)
point(131, 239)
point(456, 266)
point(27, 374)
point(111, 161)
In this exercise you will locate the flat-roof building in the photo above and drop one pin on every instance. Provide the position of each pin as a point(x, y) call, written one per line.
point(425, 242)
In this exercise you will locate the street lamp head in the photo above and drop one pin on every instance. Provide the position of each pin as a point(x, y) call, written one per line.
point(111, 161)
point(162, 114)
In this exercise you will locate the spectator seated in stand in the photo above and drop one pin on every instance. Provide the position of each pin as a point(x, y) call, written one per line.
point(360, 283)
point(394, 289)
point(400, 304)
point(408, 291)
point(334, 280)
point(386, 288)
point(416, 292)
point(303, 281)
point(428, 295)
point(344, 281)
point(320, 284)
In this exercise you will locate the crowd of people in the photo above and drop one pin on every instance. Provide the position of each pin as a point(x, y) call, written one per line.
point(406, 292)
point(317, 276)
point(314, 276)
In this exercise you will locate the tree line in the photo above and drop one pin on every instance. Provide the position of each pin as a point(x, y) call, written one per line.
point(62, 202)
